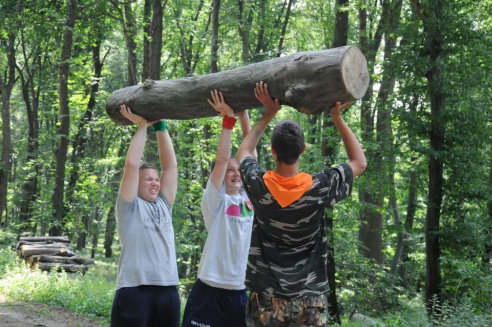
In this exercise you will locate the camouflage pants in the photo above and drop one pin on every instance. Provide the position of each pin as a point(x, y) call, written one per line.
point(265, 311)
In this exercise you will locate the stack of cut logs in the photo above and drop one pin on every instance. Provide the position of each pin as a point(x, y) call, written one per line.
point(49, 252)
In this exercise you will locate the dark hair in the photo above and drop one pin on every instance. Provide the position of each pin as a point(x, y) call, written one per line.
point(147, 165)
point(288, 141)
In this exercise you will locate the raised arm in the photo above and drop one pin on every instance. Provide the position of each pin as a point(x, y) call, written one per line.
point(246, 127)
point(129, 182)
point(169, 165)
point(224, 147)
point(357, 159)
point(248, 146)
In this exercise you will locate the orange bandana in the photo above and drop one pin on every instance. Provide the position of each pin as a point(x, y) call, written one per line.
point(286, 190)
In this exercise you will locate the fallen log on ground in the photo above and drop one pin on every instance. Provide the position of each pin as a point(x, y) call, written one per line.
point(48, 266)
point(59, 259)
point(62, 239)
point(28, 250)
point(310, 81)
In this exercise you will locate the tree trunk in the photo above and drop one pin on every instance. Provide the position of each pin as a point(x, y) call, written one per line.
point(432, 22)
point(147, 39)
point(95, 231)
point(82, 235)
point(307, 81)
point(245, 18)
point(6, 92)
point(328, 150)
point(488, 243)
point(129, 23)
point(383, 126)
point(111, 219)
point(215, 37)
point(151, 67)
point(155, 56)
point(61, 152)
point(411, 206)
point(80, 140)
point(30, 94)
point(284, 28)
point(109, 233)
point(371, 220)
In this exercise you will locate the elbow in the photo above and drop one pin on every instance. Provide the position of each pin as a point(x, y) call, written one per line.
point(222, 157)
point(173, 164)
point(132, 164)
point(358, 166)
point(363, 165)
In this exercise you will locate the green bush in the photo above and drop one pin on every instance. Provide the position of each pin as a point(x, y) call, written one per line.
point(87, 295)
point(8, 260)
point(7, 238)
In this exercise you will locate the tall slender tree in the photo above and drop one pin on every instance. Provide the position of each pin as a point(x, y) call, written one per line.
point(7, 81)
point(371, 195)
point(64, 118)
point(340, 38)
point(152, 44)
point(432, 20)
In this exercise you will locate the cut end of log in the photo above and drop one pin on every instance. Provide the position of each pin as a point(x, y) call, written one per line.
point(355, 74)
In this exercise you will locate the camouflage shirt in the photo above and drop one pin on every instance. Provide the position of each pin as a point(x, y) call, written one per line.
point(288, 252)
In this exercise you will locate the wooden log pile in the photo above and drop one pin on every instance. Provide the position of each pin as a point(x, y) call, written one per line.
point(46, 253)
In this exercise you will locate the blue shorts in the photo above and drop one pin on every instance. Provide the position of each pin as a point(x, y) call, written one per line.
point(146, 306)
point(209, 306)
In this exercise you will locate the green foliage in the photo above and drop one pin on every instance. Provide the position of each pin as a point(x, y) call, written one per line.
point(89, 295)
point(8, 260)
point(7, 237)
point(462, 313)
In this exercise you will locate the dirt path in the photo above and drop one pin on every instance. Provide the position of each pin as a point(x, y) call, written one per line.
point(40, 315)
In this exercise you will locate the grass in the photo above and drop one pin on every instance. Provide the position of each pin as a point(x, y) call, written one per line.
point(91, 295)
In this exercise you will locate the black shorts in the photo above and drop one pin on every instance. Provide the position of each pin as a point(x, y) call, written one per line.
point(146, 306)
point(209, 306)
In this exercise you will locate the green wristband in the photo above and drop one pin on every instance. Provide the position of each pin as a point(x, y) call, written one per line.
point(160, 126)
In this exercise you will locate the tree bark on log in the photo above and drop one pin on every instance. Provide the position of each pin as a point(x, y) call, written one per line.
point(27, 250)
point(59, 259)
point(45, 244)
point(63, 239)
point(311, 82)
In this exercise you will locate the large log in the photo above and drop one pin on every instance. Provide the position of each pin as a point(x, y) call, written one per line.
point(29, 250)
point(310, 81)
point(44, 244)
point(63, 239)
point(59, 259)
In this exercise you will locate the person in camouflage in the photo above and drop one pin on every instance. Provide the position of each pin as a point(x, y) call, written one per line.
point(286, 273)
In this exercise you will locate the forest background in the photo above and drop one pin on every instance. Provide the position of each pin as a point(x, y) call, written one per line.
point(418, 226)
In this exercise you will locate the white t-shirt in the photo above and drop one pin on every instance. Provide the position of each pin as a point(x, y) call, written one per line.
point(148, 255)
point(228, 219)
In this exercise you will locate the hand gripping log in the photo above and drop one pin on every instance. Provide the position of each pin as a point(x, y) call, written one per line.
point(311, 82)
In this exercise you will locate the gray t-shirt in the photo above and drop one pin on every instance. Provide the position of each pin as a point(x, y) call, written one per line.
point(148, 255)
